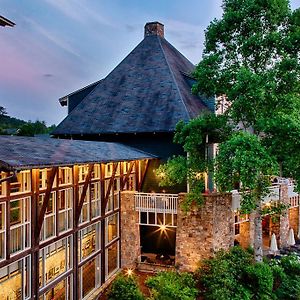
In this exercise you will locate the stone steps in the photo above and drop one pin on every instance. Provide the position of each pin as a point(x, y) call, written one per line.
point(153, 268)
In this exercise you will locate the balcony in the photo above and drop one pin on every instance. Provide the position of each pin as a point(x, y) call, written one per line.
point(159, 203)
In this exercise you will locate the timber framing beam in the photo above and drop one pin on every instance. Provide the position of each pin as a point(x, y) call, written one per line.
point(50, 180)
point(84, 190)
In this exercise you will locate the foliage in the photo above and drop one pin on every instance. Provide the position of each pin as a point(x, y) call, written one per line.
point(235, 275)
point(242, 159)
point(275, 210)
point(172, 286)
point(286, 273)
point(124, 288)
point(222, 277)
point(10, 125)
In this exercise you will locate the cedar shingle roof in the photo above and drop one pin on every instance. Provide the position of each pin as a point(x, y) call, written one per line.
point(147, 92)
point(31, 152)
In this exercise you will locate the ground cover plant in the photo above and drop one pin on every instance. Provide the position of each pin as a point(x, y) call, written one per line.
point(235, 275)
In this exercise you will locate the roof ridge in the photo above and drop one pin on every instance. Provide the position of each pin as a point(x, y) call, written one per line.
point(173, 77)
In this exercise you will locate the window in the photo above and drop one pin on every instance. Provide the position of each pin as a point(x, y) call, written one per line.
point(15, 280)
point(19, 225)
point(3, 185)
point(65, 176)
point(85, 211)
point(2, 230)
point(61, 291)
point(96, 171)
point(83, 171)
point(55, 260)
point(89, 241)
point(112, 259)
point(21, 183)
point(49, 224)
point(114, 197)
point(112, 228)
point(89, 277)
point(96, 199)
point(44, 173)
point(65, 198)
point(108, 169)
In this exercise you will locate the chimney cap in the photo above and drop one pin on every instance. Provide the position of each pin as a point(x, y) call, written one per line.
point(154, 28)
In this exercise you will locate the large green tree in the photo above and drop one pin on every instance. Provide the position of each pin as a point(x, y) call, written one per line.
point(252, 56)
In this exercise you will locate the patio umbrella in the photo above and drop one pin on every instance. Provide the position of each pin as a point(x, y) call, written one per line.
point(291, 238)
point(273, 244)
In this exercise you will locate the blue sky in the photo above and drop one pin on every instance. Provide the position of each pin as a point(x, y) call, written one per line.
point(58, 46)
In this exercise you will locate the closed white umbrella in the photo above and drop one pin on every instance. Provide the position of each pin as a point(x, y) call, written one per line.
point(273, 244)
point(291, 239)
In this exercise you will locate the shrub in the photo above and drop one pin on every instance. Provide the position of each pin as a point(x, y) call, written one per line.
point(259, 279)
point(124, 288)
point(172, 286)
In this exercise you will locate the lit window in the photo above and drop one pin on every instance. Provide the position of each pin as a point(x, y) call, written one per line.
point(89, 241)
point(112, 259)
point(62, 290)
point(3, 185)
point(55, 260)
point(49, 223)
point(19, 225)
point(65, 176)
point(85, 211)
point(112, 228)
point(65, 198)
point(21, 183)
point(96, 199)
point(15, 280)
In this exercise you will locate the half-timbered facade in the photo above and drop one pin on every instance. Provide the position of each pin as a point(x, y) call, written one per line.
point(60, 215)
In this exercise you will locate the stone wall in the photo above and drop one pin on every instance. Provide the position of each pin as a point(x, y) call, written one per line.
point(294, 219)
point(130, 231)
point(244, 236)
point(203, 230)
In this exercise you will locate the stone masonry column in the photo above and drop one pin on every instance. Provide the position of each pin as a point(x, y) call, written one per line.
point(203, 230)
point(251, 229)
point(284, 219)
point(130, 231)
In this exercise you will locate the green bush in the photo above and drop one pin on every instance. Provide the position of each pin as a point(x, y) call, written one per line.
point(172, 286)
point(124, 288)
point(259, 279)
point(286, 278)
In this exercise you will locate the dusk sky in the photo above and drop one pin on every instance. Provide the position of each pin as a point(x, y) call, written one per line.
point(59, 46)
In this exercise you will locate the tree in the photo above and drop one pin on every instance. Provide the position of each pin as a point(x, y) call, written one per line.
point(252, 56)
point(3, 111)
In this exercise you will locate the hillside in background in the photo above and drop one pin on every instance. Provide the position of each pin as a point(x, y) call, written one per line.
point(13, 126)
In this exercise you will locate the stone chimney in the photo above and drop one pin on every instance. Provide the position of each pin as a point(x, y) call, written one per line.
point(154, 28)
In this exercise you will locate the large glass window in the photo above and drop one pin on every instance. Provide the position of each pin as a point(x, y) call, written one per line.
point(15, 280)
point(21, 183)
point(113, 198)
point(96, 199)
point(112, 228)
point(89, 277)
point(2, 230)
point(48, 228)
point(19, 224)
point(61, 291)
point(65, 198)
point(55, 260)
point(83, 171)
point(85, 211)
point(89, 241)
point(112, 259)
point(96, 171)
point(64, 175)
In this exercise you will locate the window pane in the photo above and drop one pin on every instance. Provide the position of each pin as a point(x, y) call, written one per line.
point(112, 258)
point(112, 230)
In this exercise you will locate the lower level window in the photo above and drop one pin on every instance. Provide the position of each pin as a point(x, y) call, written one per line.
point(112, 259)
point(89, 275)
point(15, 280)
point(61, 291)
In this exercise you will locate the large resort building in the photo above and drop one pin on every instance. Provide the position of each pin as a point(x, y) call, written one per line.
point(77, 208)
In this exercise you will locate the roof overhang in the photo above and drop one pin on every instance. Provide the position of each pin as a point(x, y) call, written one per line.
point(6, 22)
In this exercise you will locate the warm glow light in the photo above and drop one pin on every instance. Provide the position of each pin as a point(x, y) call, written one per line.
point(268, 204)
point(162, 227)
point(129, 272)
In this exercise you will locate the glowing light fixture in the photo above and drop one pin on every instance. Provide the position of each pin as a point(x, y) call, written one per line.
point(162, 227)
point(129, 272)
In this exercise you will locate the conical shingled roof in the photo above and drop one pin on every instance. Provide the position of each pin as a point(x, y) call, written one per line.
point(149, 91)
